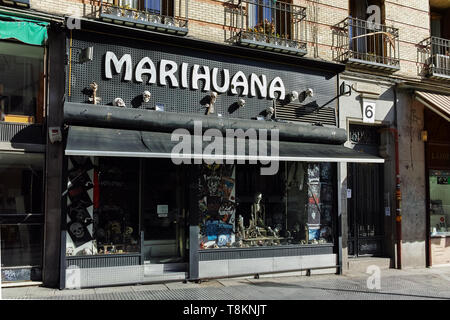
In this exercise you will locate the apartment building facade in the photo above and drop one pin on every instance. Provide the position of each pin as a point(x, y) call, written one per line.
point(361, 85)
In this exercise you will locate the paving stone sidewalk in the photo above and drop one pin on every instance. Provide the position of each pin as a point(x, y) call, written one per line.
point(422, 284)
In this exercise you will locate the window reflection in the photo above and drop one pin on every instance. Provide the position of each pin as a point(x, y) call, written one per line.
point(21, 82)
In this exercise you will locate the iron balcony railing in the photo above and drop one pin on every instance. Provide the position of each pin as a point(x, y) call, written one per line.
point(266, 24)
point(364, 43)
point(434, 55)
point(160, 16)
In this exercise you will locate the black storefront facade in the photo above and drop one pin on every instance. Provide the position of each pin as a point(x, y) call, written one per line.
point(133, 212)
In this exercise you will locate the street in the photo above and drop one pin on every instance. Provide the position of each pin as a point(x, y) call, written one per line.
point(433, 283)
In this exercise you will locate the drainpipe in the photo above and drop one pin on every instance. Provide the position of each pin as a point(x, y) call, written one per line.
point(398, 192)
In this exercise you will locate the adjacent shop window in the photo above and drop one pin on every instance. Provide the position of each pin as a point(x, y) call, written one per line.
point(103, 206)
point(21, 245)
point(21, 82)
point(241, 208)
point(439, 202)
point(21, 184)
point(21, 215)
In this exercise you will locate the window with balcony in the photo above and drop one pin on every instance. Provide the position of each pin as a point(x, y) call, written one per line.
point(434, 52)
point(156, 15)
point(270, 25)
point(363, 40)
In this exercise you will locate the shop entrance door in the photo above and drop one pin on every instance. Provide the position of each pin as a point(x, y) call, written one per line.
point(365, 209)
point(163, 212)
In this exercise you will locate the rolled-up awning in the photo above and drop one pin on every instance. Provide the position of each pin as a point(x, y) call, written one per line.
point(28, 31)
point(439, 103)
point(94, 141)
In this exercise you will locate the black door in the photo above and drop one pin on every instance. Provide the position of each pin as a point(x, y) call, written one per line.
point(365, 209)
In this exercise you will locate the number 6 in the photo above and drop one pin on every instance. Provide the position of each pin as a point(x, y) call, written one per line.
point(369, 111)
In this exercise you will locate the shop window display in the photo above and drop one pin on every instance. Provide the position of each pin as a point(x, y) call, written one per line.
point(102, 211)
point(241, 208)
point(439, 202)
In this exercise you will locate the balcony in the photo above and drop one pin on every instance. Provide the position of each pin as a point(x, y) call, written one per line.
point(434, 55)
point(17, 3)
point(161, 18)
point(364, 44)
point(267, 25)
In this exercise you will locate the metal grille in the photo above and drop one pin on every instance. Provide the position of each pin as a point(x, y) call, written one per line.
point(103, 261)
point(21, 133)
point(178, 99)
point(306, 113)
point(224, 254)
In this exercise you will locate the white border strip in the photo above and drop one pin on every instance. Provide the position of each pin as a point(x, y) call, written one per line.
point(213, 157)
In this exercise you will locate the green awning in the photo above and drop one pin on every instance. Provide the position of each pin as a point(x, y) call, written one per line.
point(25, 30)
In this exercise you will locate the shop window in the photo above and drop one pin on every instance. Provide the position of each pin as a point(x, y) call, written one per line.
point(103, 206)
point(21, 184)
point(21, 83)
point(21, 216)
point(439, 202)
point(21, 245)
point(241, 208)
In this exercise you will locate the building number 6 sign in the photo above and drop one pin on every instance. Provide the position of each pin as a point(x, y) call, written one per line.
point(369, 112)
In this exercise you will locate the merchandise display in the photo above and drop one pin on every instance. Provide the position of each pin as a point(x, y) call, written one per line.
point(293, 207)
point(102, 210)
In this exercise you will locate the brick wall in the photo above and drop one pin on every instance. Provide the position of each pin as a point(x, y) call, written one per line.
point(208, 20)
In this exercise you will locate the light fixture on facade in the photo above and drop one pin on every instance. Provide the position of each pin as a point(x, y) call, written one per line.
point(424, 135)
point(86, 54)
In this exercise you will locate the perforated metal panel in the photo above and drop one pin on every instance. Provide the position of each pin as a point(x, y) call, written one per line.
point(184, 100)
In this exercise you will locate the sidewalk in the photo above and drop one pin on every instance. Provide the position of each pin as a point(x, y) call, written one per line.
point(421, 284)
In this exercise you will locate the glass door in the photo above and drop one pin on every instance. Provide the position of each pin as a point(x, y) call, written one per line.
point(163, 212)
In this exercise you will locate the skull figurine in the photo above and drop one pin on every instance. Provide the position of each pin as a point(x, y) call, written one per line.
point(212, 101)
point(69, 251)
point(118, 102)
point(269, 112)
point(94, 99)
point(213, 97)
point(77, 230)
point(146, 96)
point(293, 96)
point(241, 103)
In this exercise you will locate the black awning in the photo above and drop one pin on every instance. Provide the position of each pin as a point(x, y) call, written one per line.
point(93, 141)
